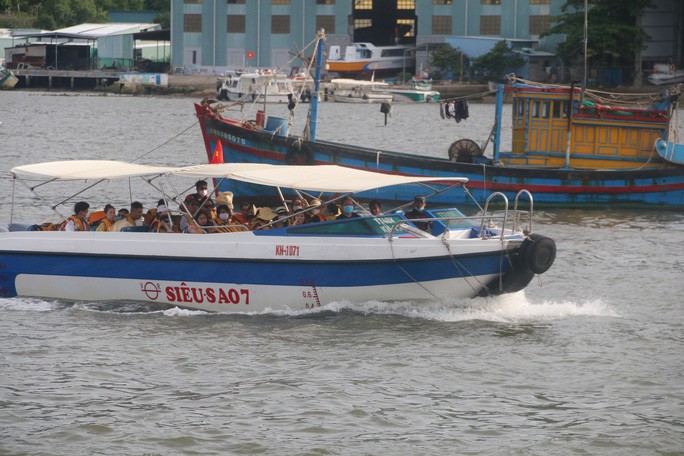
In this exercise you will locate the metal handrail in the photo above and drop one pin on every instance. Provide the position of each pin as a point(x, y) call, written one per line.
point(446, 220)
point(516, 218)
point(505, 216)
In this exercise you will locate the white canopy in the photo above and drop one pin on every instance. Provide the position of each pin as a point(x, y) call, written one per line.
point(321, 178)
point(87, 169)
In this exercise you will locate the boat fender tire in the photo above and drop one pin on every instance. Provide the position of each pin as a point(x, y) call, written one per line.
point(464, 151)
point(514, 280)
point(299, 154)
point(538, 253)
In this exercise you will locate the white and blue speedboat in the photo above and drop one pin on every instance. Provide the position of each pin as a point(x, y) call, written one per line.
point(383, 258)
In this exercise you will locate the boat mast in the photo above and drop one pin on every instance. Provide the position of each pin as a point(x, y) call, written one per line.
point(313, 114)
point(585, 40)
point(497, 123)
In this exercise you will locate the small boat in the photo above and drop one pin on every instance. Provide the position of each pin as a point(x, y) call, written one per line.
point(366, 257)
point(353, 91)
point(670, 152)
point(664, 74)
point(570, 147)
point(419, 91)
point(255, 86)
point(367, 58)
point(7, 79)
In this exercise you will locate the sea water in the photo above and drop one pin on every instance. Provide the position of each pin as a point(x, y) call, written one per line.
point(587, 360)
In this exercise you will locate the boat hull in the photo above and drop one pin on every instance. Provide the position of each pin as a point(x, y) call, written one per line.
point(659, 187)
point(242, 272)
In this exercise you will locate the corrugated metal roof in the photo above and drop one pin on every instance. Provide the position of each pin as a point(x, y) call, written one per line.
point(107, 29)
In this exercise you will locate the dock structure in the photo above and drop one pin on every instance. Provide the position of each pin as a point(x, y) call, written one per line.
point(72, 79)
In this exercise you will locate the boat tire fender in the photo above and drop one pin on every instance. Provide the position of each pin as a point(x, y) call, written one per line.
point(299, 154)
point(538, 253)
point(514, 280)
point(464, 150)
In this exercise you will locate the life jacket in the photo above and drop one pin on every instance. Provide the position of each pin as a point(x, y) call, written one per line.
point(78, 223)
point(104, 225)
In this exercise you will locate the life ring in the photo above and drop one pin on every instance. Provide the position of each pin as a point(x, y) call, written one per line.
point(538, 253)
point(299, 154)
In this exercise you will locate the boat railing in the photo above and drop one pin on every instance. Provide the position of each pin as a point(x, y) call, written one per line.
point(485, 212)
point(516, 214)
point(486, 221)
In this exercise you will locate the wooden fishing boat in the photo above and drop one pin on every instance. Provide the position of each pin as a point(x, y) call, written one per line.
point(570, 147)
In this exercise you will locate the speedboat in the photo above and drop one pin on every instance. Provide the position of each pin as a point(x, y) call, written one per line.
point(369, 257)
point(255, 85)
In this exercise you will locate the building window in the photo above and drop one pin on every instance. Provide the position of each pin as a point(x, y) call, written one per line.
point(280, 24)
point(406, 4)
point(538, 24)
point(198, 2)
point(490, 2)
point(325, 2)
point(363, 4)
point(236, 24)
point(362, 23)
point(540, 2)
point(442, 2)
point(411, 26)
point(326, 22)
point(280, 2)
point(236, 2)
point(490, 25)
point(441, 25)
point(192, 23)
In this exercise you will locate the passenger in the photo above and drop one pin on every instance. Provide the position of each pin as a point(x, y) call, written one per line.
point(202, 223)
point(224, 222)
point(188, 211)
point(78, 221)
point(331, 211)
point(375, 208)
point(263, 217)
point(123, 212)
point(280, 221)
point(298, 204)
point(347, 210)
point(109, 219)
point(298, 219)
point(316, 215)
point(201, 195)
point(418, 212)
point(149, 216)
point(134, 218)
point(245, 215)
point(163, 222)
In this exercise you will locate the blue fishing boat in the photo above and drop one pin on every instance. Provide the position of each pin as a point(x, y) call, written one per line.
point(571, 147)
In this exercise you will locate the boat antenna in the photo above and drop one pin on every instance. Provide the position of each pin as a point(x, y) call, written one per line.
point(585, 39)
point(313, 112)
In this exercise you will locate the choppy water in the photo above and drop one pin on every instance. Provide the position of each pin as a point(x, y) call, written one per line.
point(589, 363)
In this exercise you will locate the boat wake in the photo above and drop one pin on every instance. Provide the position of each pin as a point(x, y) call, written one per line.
point(512, 308)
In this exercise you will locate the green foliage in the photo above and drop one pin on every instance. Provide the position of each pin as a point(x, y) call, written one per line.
point(613, 36)
point(496, 63)
point(447, 59)
point(55, 14)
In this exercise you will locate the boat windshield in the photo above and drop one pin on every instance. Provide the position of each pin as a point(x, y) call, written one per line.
point(361, 226)
point(456, 219)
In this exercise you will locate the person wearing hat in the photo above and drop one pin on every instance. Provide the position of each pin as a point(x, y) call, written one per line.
point(163, 223)
point(418, 212)
point(263, 217)
point(316, 215)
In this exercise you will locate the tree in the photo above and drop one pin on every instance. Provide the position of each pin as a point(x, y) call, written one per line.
point(448, 60)
point(613, 36)
point(496, 63)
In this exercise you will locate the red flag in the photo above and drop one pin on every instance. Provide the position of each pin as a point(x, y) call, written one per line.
point(218, 154)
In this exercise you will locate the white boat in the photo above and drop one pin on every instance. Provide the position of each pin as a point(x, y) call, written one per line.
point(419, 91)
point(255, 85)
point(366, 58)
point(7, 79)
point(353, 91)
point(665, 74)
point(383, 258)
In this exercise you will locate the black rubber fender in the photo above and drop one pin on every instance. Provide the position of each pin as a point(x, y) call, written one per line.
point(299, 154)
point(538, 253)
point(514, 280)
